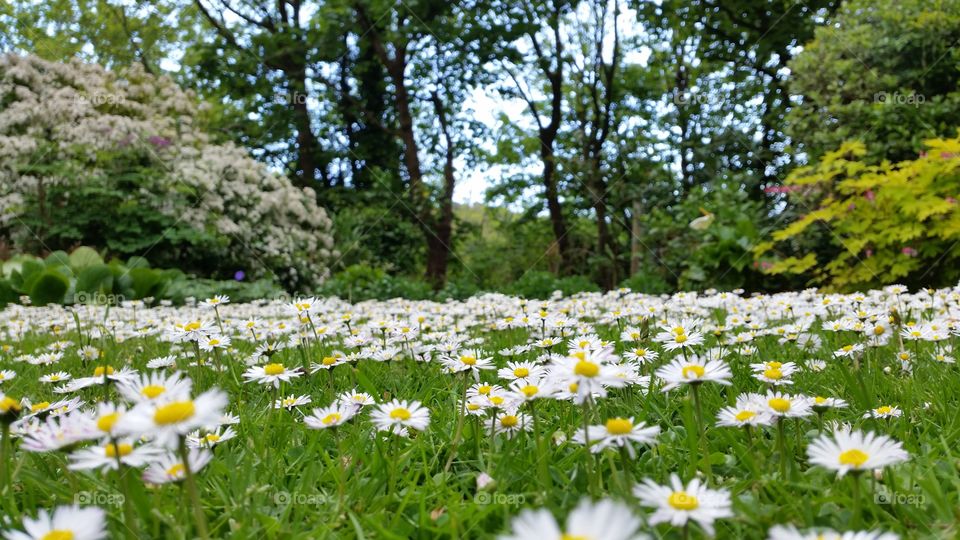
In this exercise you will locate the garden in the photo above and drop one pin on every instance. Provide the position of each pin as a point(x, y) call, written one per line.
point(550, 270)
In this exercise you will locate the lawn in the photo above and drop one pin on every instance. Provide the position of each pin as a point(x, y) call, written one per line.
point(292, 430)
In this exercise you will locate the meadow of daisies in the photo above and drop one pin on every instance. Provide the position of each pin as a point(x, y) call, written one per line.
point(598, 416)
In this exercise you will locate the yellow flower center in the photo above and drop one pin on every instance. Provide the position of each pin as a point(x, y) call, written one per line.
point(585, 368)
point(573, 537)
point(853, 458)
point(190, 327)
point(743, 416)
point(212, 437)
point(619, 426)
point(819, 400)
point(151, 391)
point(779, 404)
point(878, 330)
point(885, 409)
point(101, 370)
point(214, 342)
point(329, 360)
point(681, 338)
point(573, 387)
point(774, 365)
point(8, 404)
point(521, 372)
point(469, 360)
point(529, 390)
point(176, 470)
point(773, 373)
point(40, 406)
point(106, 422)
point(484, 389)
point(175, 412)
point(473, 406)
point(681, 500)
point(113, 450)
point(58, 534)
point(692, 371)
point(333, 418)
point(400, 414)
point(640, 352)
point(509, 420)
point(496, 400)
point(273, 369)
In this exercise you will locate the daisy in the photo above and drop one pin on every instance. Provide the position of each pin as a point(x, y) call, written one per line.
point(521, 371)
point(601, 520)
point(789, 532)
point(781, 405)
point(510, 423)
point(745, 413)
point(107, 455)
point(292, 401)
point(6, 375)
point(329, 362)
point(168, 420)
point(162, 362)
point(154, 386)
point(401, 414)
point(821, 404)
point(640, 355)
point(209, 343)
point(672, 342)
point(774, 373)
point(328, 417)
point(884, 411)
point(592, 372)
point(469, 360)
point(199, 439)
point(848, 450)
point(170, 468)
point(271, 374)
point(355, 399)
point(618, 432)
point(694, 371)
point(66, 523)
point(52, 378)
point(677, 504)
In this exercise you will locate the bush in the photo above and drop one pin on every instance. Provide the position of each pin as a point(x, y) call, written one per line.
point(647, 282)
point(118, 161)
point(873, 223)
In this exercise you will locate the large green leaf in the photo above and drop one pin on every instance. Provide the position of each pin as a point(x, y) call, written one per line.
point(49, 288)
point(83, 257)
point(95, 279)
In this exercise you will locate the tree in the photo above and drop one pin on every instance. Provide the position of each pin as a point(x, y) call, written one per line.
point(882, 72)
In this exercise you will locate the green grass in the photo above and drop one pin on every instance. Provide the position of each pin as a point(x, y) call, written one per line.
point(280, 480)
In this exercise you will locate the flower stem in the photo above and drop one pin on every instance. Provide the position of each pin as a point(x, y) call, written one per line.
point(192, 490)
point(459, 431)
point(704, 449)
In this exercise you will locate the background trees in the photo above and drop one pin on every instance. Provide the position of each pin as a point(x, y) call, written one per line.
point(601, 128)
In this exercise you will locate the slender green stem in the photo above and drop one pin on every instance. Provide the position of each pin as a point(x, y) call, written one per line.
point(857, 508)
point(192, 491)
point(782, 447)
point(460, 418)
point(704, 448)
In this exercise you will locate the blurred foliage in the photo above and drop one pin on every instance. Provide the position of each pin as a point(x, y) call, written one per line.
point(885, 222)
point(885, 73)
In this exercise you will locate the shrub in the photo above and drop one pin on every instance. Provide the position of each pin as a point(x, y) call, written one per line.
point(118, 161)
point(879, 223)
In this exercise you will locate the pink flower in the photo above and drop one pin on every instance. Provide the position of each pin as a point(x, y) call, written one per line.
point(909, 251)
point(869, 253)
point(870, 195)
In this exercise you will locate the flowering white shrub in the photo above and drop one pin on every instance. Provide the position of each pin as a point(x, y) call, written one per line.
point(65, 127)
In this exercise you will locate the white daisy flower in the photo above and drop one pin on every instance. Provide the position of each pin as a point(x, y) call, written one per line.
point(677, 504)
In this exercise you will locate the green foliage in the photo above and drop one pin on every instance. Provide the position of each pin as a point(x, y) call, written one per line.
point(717, 256)
point(181, 288)
point(360, 282)
point(884, 72)
point(884, 222)
point(542, 285)
point(50, 287)
point(647, 282)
